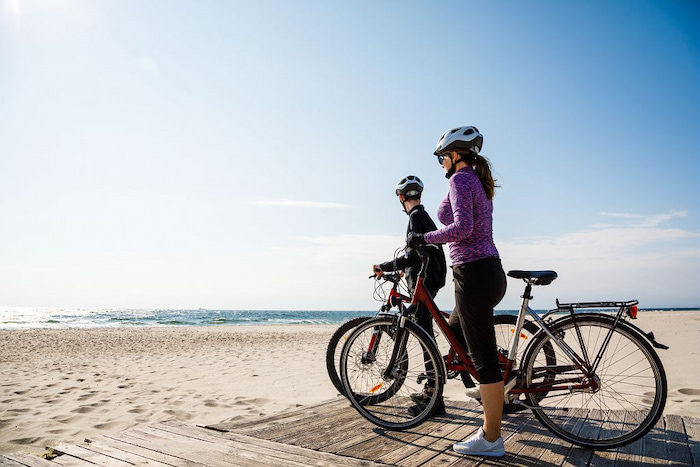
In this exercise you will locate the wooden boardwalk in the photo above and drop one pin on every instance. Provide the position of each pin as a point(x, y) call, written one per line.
point(333, 434)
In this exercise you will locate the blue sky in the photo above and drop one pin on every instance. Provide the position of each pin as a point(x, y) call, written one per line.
point(242, 155)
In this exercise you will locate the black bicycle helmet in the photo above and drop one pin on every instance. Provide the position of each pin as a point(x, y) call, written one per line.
point(465, 138)
point(409, 186)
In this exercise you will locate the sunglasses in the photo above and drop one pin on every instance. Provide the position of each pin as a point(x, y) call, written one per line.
point(441, 157)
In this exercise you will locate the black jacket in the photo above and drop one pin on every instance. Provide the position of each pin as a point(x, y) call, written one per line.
point(420, 222)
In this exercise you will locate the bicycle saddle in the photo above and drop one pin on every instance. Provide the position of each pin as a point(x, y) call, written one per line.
point(535, 277)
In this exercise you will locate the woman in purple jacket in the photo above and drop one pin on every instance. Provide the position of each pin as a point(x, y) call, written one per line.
point(480, 282)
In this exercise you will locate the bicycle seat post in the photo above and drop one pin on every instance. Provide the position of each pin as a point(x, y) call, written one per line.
point(513, 351)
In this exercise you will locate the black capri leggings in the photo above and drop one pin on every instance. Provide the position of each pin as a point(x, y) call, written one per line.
point(479, 287)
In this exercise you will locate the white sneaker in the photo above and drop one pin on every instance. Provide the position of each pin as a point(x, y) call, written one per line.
point(474, 393)
point(477, 445)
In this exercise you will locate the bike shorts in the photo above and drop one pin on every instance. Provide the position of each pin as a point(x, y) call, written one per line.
point(479, 287)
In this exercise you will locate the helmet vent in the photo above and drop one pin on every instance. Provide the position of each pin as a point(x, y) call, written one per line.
point(454, 131)
point(469, 131)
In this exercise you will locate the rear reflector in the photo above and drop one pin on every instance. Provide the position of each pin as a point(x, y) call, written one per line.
point(632, 312)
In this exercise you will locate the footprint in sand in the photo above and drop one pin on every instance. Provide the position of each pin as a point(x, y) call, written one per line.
point(689, 391)
point(25, 441)
point(85, 397)
point(105, 426)
point(83, 410)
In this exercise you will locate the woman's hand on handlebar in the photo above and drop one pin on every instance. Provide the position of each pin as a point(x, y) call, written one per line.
point(378, 273)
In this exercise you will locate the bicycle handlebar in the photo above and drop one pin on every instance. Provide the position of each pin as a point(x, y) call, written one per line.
point(393, 277)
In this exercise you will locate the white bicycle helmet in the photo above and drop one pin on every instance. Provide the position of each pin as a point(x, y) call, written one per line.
point(409, 186)
point(465, 138)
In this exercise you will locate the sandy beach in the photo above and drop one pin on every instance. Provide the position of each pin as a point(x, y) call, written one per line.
point(71, 384)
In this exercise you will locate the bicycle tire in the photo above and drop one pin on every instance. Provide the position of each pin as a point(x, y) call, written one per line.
point(391, 407)
point(632, 391)
point(334, 350)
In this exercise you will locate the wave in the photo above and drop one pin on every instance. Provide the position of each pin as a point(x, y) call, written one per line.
point(37, 318)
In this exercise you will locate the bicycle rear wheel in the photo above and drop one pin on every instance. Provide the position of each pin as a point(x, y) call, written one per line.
point(383, 395)
point(335, 347)
point(631, 391)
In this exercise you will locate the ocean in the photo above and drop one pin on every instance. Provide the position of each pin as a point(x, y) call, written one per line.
point(58, 318)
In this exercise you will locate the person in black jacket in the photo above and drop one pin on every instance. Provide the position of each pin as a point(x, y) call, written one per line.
point(409, 190)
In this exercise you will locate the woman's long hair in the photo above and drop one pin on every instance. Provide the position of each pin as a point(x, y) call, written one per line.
point(483, 169)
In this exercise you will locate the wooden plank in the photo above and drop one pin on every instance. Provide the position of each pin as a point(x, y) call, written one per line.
point(446, 456)
point(353, 428)
point(677, 441)
point(391, 441)
point(135, 445)
point(335, 433)
point(282, 417)
point(270, 429)
point(421, 444)
point(654, 451)
point(692, 430)
point(510, 429)
point(440, 451)
point(201, 452)
point(590, 428)
point(313, 430)
point(275, 450)
point(515, 444)
point(462, 424)
point(543, 448)
point(10, 463)
point(5, 461)
point(455, 418)
point(25, 460)
point(212, 453)
point(631, 454)
point(351, 440)
point(556, 450)
point(86, 455)
point(118, 452)
point(612, 427)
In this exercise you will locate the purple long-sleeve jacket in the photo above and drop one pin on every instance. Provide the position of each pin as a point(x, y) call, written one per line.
point(467, 215)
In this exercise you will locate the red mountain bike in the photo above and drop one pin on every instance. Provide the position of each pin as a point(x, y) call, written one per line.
point(592, 379)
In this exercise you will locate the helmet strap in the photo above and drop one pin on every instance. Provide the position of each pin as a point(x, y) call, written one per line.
point(403, 203)
point(453, 168)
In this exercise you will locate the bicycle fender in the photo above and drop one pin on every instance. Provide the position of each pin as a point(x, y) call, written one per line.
point(650, 337)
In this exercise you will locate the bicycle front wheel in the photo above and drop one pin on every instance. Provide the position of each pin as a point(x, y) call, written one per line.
point(383, 394)
point(630, 379)
point(335, 347)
